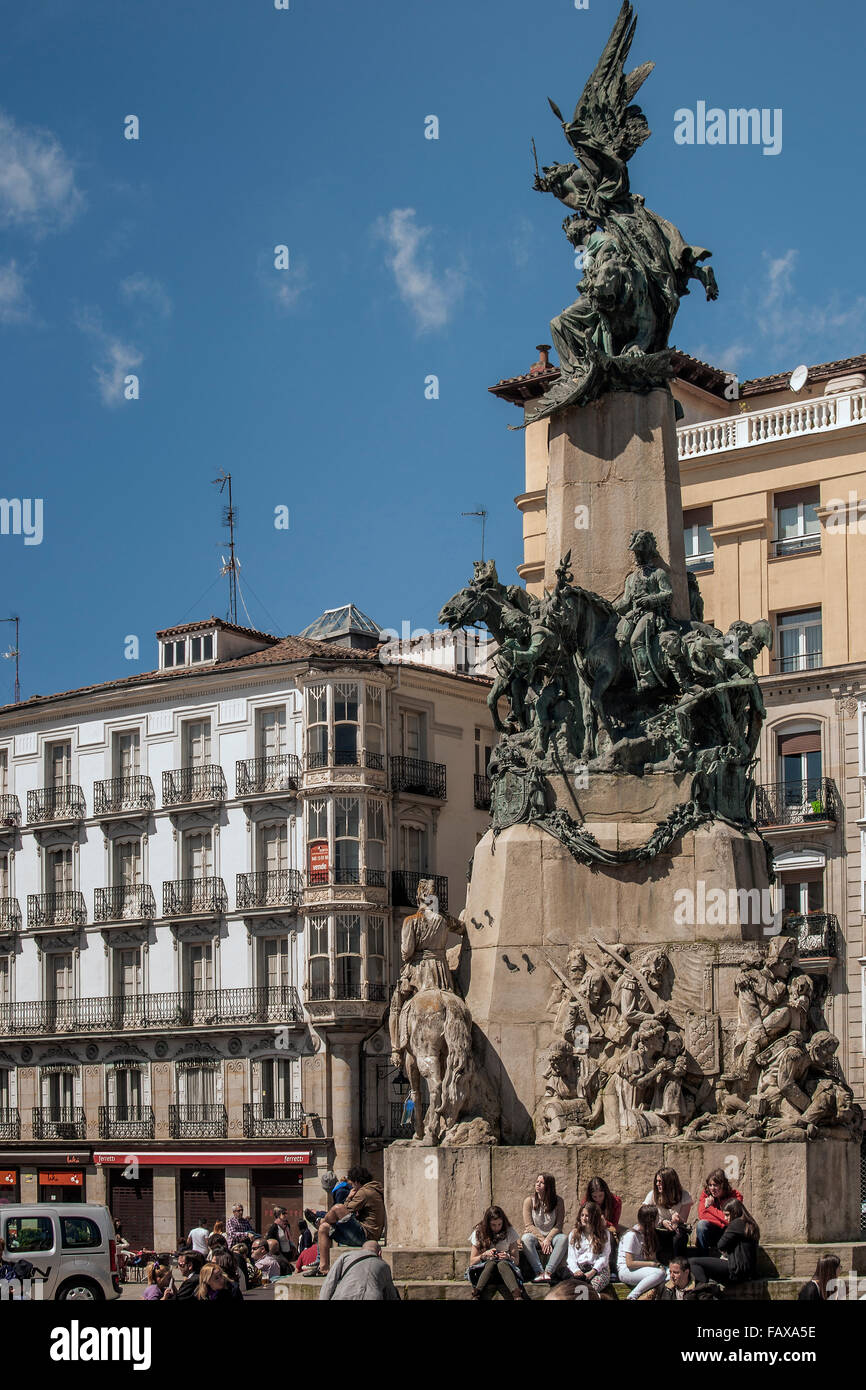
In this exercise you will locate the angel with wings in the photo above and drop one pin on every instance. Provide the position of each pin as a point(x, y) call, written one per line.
point(636, 265)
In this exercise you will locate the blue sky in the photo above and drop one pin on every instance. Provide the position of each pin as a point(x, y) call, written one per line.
point(408, 257)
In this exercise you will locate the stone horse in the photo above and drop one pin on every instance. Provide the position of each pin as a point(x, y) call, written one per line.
point(506, 613)
point(436, 1045)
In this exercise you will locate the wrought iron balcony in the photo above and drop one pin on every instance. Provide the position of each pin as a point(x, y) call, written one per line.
point(133, 902)
point(10, 915)
point(197, 1122)
point(337, 757)
point(56, 910)
point(274, 1120)
point(194, 897)
point(48, 805)
point(399, 1128)
point(59, 1122)
point(10, 1124)
point(816, 934)
point(482, 792)
point(193, 786)
point(257, 776)
point(418, 776)
point(10, 811)
point(120, 795)
point(273, 888)
point(404, 888)
point(152, 1013)
point(374, 761)
point(126, 1122)
point(347, 989)
point(797, 803)
point(339, 875)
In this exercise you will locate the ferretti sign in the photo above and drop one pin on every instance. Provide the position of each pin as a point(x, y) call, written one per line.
point(283, 1158)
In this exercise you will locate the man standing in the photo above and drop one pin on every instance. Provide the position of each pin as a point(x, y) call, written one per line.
point(360, 1274)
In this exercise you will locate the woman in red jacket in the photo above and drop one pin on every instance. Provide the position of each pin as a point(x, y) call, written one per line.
point(712, 1217)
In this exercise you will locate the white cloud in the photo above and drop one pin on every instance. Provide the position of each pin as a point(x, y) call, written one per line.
point(15, 306)
point(116, 358)
point(431, 299)
point(37, 179)
point(145, 290)
point(287, 286)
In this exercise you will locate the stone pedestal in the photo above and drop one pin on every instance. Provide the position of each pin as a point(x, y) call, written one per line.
point(617, 459)
point(798, 1193)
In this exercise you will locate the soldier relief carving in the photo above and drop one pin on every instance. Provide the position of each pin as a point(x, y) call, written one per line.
point(626, 1063)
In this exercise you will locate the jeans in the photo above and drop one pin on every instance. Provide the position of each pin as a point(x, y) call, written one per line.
point(532, 1249)
point(707, 1236)
point(640, 1279)
point(500, 1272)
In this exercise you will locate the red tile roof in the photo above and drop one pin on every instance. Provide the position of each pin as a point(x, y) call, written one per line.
point(217, 623)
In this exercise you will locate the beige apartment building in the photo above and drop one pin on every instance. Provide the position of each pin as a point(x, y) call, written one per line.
point(773, 475)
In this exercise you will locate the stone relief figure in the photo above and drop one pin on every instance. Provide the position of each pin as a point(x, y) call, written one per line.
point(430, 1025)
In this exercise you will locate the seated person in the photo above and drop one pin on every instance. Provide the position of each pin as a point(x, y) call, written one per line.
point(543, 1238)
point(361, 1217)
point(737, 1249)
point(637, 1265)
point(494, 1259)
point(712, 1217)
point(674, 1205)
point(589, 1249)
point(685, 1282)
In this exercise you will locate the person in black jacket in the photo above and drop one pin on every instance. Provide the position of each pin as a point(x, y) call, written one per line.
point(189, 1266)
point(818, 1289)
point(737, 1248)
point(686, 1283)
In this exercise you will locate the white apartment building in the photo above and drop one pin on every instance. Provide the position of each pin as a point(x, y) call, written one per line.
point(203, 873)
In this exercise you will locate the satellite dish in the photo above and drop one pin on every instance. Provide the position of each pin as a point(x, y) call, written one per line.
point(799, 377)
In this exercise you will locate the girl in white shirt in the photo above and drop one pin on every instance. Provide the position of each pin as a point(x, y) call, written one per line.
point(674, 1205)
point(636, 1259)
point(588, 1255)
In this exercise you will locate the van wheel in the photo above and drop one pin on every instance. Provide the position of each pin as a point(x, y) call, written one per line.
point(82, 1290)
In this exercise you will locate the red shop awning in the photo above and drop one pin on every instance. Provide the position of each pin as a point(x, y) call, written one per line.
point(283, 1158)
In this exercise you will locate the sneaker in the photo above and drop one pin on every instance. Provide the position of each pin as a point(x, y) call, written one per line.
point(541, 1279)
point(313, 1272)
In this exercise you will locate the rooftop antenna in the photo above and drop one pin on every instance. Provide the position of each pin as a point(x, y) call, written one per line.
point(16, 653)
point(230, 566)
point(482, 512)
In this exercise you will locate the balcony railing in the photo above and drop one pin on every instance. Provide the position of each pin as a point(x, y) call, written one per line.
point(197, 1122)
point(797, 803)
point(482, 792)
point(152, 1013)
point(353, 989)
point(190, 786)
point(799, 661)
point(133, 902)
point(59, 1122)
point(10, 915)
point(56, 910)
point(374, 761)
point(816, 934)
point(273, 1120)
point(399, 1127)
point(780, 423)
point(795, 545)
point(254, 776)
point(117, 795)
point(404, 888)
point(10, 811)
point(322, 878)
point(126, 1122)
point(194, 897)
point(340, 757)
point(48, 805)
point(272, 888)
point(418, 776)
point(10, 1124)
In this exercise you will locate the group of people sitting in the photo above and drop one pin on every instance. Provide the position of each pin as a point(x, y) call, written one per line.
point(653, 1257)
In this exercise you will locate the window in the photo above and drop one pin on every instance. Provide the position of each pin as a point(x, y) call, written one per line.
point(5, 1089)
point(271, 732)
point(201, 649)
point(348, 961)
point(127, 863)
point(317, 820)
point(797, 527)
point(4, 875)
point(59, 976)
point(697, 538)
point(375, 847)
point(277, 1087)
point(376, 955)
point(196, 743)
point(374, 735)
point(413, 848)
point(125, 1087)
point(198, 863)
point(28, 1235)
point(174, 653)
point(126, 753)
point(802, 893)
point(347, 838)
point(58, 768)
point(197, 1085)
point(198, 967)
point(58, 870)
point(799, 640)
point(58, 1091)
point(317, 725)
point(273, 848)
point(483, 751)
point(127, 972)
point(413, 734)
point(4, 771)
point(275, 971)
point(346, 725)
point(800, 768)
point(320, 966)
point(5, 979)
point(79, 1233)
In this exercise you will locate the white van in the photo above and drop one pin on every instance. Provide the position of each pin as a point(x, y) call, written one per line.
point(69, 1244)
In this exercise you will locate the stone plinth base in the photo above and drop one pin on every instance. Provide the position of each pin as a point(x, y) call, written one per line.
point(799, 1193)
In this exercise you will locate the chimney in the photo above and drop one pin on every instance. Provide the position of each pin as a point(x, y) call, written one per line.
point(543, 363)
